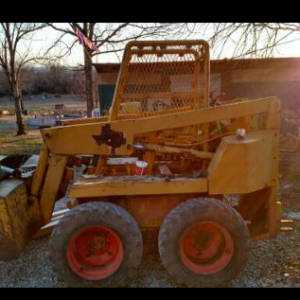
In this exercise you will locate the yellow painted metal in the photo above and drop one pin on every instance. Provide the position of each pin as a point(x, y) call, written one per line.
point(119, 88)
point(206, 92)
point(39, 174)
point(149, 156)
point(286, 228)
point(124, 117)
point(179, 127)
point(48, 228)
point(272, 122)
point(78, 139)
point(51, 186)
point(150, 211)
point(14, 217)
point(83, 121)
point(241, 166)
point(166, 149)
point(149, 67)
point(247, 166)
point(35, 216)
point(136, 185)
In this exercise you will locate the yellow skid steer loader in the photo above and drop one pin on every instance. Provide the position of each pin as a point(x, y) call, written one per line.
point(202, 180)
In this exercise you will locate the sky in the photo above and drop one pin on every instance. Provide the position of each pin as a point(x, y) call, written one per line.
point(46, 37)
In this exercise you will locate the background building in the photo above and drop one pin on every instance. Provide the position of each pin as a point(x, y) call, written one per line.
point(240, 78)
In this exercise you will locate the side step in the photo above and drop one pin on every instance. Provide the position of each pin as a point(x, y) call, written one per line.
point(284, 223)
point(47, 229)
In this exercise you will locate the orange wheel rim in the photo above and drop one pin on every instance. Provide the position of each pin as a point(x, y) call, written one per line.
point(206, 248)
point(95, 252)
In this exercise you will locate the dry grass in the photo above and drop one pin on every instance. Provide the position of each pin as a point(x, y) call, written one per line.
point(42, 105)
point(31, 142)
point(12, 144)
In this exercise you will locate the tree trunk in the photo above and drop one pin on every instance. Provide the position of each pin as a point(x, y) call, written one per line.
point(18, 110)
point(22, 106)
point(88, 82)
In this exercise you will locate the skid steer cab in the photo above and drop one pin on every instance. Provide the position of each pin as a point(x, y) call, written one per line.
point(210, 185)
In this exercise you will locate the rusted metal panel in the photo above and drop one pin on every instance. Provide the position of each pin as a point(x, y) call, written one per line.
point(40, 171)
point(14, 218)
point(136, 185)
point(150, 211)
point(80, 138)
point(51, 186)
point(241, 166)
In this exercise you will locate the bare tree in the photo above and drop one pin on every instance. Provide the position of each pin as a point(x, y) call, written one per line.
point(111, 38)
point(4, 86)
point(13, 58)
point(240, 40)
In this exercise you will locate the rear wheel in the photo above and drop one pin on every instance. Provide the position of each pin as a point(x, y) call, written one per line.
point(203, 242)
point(96, 244)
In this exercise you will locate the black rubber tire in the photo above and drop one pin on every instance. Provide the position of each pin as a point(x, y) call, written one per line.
point(97, 213)
point(189, 213)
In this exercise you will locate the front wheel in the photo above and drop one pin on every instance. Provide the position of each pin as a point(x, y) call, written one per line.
point(96, 244)
point(203, 242)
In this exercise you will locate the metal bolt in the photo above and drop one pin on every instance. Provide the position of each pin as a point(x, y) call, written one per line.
point(240, 133)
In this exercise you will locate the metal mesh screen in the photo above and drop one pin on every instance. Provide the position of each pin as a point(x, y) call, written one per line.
point(158, 77)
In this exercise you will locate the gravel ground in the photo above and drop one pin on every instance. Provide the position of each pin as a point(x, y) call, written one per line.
point(271, 263)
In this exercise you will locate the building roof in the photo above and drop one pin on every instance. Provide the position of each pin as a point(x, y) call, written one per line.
point(224, 64)
point(107, 67)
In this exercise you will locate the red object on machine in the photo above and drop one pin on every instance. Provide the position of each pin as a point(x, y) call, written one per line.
point(140, 168)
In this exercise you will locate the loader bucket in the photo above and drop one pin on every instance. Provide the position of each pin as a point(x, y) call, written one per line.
point(14, 218)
